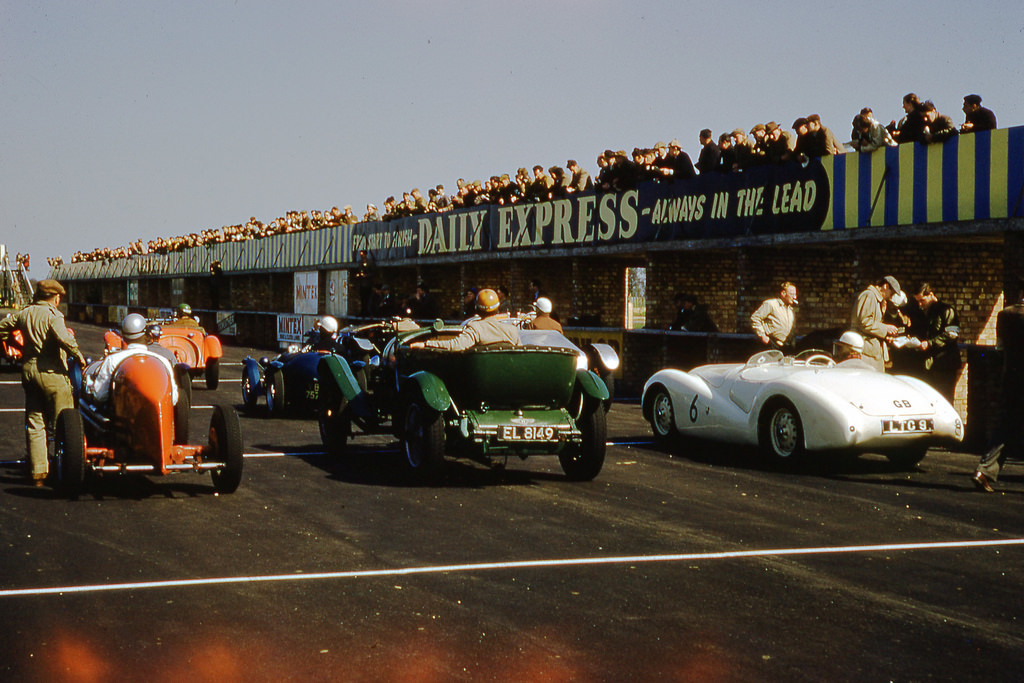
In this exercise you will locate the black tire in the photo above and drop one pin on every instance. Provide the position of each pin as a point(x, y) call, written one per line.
point(584, 462)
point(226, 442)
point(906, 459)
point(184, 379)
point(212, 373)
point(249, 396)
point(182, 414)
point(662, 416)
point(275, 394)
point(423, 439)
point(609, 382)
point(69, 451)
point(335, 427)
point(781, 433)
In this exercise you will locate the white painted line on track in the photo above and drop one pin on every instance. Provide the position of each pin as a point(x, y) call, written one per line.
point(487, 566)
point(281, 454)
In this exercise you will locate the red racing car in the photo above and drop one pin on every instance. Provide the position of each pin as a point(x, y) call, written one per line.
point(139, 429)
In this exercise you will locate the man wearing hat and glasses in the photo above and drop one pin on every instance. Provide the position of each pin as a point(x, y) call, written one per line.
point(866, 319)
point(44, 372)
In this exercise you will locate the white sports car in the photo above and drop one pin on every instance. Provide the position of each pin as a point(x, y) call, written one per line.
point(791, 405)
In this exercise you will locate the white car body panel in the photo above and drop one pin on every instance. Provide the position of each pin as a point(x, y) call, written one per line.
point(844, 406)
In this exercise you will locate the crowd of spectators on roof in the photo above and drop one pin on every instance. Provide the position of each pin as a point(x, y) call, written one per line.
point(730, 152)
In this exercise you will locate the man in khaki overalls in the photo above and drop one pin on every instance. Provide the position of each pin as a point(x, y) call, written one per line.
point(44, 372)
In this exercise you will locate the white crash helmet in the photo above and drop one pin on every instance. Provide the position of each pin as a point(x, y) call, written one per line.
point(543, 304)
point(852, 340)
point(329, 324)
point(133, 327)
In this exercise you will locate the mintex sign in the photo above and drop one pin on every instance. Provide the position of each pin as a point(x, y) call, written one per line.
point(289, 328)
point(307, 292)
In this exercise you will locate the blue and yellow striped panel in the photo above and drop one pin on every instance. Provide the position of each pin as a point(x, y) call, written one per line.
point(970, 177)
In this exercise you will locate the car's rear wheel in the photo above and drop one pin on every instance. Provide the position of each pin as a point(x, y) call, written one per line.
point(182, 413)
point(781, 433)
point(335, 426)
point(584, 461)
point(226, 443)
point(662, 417)
point(212, 373)
point(907, 458)
point(423, 439)
point(69, 449)
point(275, 394)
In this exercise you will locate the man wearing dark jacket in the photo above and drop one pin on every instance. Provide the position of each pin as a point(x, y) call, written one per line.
point(1008, 439)
point(707, 162)
point(939, 341)
point(976, 117)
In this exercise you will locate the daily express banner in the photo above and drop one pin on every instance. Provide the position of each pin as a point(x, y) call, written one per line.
point(768, 199)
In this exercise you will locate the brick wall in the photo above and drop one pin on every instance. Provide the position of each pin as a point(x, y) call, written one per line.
point(829, 277)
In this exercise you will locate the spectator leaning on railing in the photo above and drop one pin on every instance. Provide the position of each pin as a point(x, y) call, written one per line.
point(616, 172)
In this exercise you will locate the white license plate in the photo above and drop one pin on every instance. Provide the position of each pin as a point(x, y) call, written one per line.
point(918, 425)
point(528, 433)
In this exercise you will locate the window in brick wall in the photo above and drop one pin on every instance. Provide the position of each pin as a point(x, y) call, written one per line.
point(636, 298)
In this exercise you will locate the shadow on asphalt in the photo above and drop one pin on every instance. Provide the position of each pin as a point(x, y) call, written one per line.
point(829, 465)
point(373, 466)
point(124, 487)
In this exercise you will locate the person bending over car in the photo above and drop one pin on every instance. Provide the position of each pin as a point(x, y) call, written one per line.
point(488, 329)
point(96, 380)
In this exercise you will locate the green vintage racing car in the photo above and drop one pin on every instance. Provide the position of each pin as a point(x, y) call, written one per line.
point(546, 396)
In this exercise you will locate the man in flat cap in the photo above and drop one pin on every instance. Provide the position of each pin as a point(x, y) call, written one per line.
point(44, 372)
point(866, 319)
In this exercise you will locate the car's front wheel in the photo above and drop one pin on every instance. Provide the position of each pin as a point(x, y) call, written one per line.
point(662, 417)
point(69, 448)
point(781, 433)
point(584, 461)
point(423, 439)
point(226, 443)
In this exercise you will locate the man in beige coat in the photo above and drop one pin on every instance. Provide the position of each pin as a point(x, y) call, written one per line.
point(866, 319)
point(488, 329)
point(44, 372)
point(773, 320)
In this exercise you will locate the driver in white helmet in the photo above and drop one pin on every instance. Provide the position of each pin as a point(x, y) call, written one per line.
point(324, 335)
point(848, 349)
point(96, 380)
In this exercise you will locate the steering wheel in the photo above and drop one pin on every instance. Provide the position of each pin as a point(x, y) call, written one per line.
point(817, 358)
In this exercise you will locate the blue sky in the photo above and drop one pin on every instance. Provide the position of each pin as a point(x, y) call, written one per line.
point(128, 120)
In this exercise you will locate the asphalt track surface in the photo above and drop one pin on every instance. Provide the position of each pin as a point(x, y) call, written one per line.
point(695, 566)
